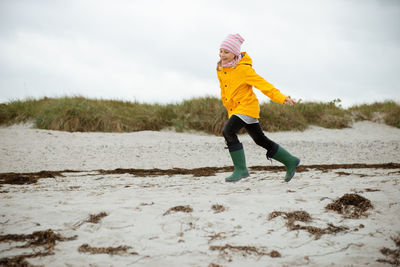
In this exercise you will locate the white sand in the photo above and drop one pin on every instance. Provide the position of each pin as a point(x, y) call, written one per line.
point(25, 150)
point(135, 205)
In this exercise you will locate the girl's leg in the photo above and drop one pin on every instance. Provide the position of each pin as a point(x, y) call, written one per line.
point(260, 139)
point(274, 150)
point(232, 126)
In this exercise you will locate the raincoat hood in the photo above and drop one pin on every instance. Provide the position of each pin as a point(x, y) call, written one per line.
point(245, 60)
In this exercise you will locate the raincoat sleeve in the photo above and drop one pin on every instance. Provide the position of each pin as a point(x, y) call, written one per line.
point(265, 87)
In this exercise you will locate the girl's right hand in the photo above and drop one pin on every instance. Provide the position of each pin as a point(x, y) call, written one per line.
point(289, 101)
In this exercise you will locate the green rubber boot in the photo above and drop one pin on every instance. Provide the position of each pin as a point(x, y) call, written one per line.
point(290, 162)
point(239, 162)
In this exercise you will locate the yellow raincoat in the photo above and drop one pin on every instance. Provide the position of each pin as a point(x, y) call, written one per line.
point(237, 88)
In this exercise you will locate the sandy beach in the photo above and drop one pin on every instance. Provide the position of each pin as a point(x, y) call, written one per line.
point(160, 199)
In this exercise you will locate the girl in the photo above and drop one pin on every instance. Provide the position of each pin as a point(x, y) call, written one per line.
point(237, 77)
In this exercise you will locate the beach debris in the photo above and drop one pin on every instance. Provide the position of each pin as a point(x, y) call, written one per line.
point(303, 216)
point(32, 177)
point(186, 209)
point(26, 178)
point(217, 236)
point(211, 171)
point(361, 226)
point(350, 206)
point(218, 208)
point(96, 218)
point(46, 239)
point(275, 254)
point(372, 190)
point(226, 251)
point(147, 204)
point(360, 191)
point(341, 173)
point(93, 218)
point(317, 231)
point(392, 255)
point(291, 217)
point(196, 172)
point(120, 250)
point(20, 260)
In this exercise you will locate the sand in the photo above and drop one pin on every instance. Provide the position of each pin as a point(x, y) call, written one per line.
point(178, 211)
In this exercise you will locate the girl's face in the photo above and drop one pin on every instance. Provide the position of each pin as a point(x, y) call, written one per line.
point(226, 56)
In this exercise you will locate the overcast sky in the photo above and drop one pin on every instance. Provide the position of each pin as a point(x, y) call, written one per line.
point(166, 51)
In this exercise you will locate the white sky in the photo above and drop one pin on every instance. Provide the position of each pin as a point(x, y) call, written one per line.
point(166, 51)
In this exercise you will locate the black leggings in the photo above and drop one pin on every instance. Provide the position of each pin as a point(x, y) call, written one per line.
point(233, 126)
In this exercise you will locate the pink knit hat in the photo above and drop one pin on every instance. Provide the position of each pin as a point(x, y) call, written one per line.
point(232, 43)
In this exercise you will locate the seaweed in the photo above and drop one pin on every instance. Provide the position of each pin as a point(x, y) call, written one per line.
point(46, 239)
point(303, 216)
point(351, 206)
point(218, 208)
point(186, 209)
point(245, 251)
point(33, 177)
point(120, 250)
point(392, 255)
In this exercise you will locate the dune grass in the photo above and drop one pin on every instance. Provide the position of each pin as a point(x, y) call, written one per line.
point(206, 114)
point(388, 111)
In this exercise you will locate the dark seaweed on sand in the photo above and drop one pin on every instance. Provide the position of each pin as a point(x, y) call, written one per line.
point(303, 216)
point(46, 239)
point(351, 206)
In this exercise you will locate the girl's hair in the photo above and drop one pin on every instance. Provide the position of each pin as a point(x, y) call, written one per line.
point(219, 68)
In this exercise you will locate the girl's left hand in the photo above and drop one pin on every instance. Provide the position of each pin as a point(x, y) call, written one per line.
point(289, 101)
